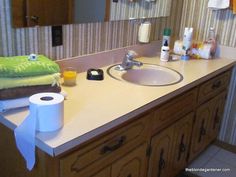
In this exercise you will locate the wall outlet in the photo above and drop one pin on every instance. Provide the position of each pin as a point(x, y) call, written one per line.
point(57, 36)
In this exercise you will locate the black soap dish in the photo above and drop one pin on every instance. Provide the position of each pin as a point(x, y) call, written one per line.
point(95, 74)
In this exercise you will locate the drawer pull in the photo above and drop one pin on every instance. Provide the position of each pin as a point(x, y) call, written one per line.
point(216, 119)
point(114, 147)
point(161, 164)
point(182, 147)
point(202, 131)
point(216, 85)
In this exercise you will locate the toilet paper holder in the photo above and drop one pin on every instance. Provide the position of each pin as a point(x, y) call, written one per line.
point(144, 31)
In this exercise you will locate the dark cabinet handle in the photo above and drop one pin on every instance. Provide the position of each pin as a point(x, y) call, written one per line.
point(202, 131)
point(161, 163)
point(182, 147)
point(216, 119)
point(114, 147)
point(216, 85)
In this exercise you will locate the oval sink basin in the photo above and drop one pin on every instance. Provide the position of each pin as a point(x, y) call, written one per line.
point(147, 75)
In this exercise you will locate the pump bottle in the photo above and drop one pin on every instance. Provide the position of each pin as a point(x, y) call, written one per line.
point(165, 52)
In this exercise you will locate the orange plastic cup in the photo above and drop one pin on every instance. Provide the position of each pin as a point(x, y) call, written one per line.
point(69, 76)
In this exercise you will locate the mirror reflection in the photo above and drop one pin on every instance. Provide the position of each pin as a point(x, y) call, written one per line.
point(27, 13)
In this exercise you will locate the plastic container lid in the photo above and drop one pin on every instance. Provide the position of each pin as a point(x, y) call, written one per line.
point(167, 32)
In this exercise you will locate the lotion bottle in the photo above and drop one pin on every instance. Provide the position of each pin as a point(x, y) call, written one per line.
point(212, 41)
point(165, 52)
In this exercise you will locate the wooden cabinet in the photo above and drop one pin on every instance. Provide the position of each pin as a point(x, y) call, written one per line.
point(213, 87)
point(174, 109)
point(106, 150)
point(209, 112)
point(207, 124)
point(102, 173)
point(199, 135)
point(218, 104)
point(133, 164)
point(181, 143)
point(161, 154)
point(170, 148)
point(158, 143)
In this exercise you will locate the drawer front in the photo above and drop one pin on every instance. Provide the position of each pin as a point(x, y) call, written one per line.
point(173, 110)
point(214, 86)
point(106, 149)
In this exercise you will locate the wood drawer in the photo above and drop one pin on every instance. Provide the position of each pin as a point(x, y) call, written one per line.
point(213, 86)
point(173, 110)
point(103, 151)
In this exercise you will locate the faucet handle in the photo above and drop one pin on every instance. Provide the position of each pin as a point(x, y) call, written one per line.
point(131, 54)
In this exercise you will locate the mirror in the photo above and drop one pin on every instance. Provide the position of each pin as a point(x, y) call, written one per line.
point(27, 13)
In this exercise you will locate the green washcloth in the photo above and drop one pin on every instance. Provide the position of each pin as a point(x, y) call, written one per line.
point(21, 66)
point(50, 79)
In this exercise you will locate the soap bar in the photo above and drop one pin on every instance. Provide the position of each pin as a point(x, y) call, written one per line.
point(95, 74)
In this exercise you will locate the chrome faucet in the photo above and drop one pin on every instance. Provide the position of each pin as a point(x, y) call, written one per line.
point(129, 62)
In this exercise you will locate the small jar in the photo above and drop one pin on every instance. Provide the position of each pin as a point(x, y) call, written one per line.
point(69, 76)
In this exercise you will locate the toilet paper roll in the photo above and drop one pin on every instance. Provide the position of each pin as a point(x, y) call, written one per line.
point(46, 114)
point(144, 32)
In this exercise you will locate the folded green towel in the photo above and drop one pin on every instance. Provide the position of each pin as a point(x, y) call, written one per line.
point(21, 66)
point(51, 79)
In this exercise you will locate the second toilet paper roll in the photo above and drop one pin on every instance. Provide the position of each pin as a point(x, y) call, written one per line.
point(46, 114)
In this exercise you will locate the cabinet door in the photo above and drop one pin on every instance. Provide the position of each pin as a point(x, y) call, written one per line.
point(199, 135)
point(45, 12)
point(182, 137)
point(217, 114)
point(134, 164)
point(160, 159)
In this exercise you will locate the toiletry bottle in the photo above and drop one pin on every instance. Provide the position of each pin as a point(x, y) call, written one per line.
point(165, 52)
point(212, 41)
point(166, 36)
point(187, 42)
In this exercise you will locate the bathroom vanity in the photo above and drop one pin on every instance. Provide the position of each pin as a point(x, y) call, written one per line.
point(114, 128)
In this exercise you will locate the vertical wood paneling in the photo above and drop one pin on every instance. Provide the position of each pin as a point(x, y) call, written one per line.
point(80, 39)
point(196, 14)
point(124, 9)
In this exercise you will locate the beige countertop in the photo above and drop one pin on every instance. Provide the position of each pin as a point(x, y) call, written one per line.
point(93, 107)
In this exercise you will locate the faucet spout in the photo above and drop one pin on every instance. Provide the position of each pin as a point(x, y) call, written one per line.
point(137, 63)
point(129, 62)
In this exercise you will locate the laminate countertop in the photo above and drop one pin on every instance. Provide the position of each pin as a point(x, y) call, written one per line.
point(93, 107)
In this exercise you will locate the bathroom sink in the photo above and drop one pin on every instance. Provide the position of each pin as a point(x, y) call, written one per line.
point(147, 75)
